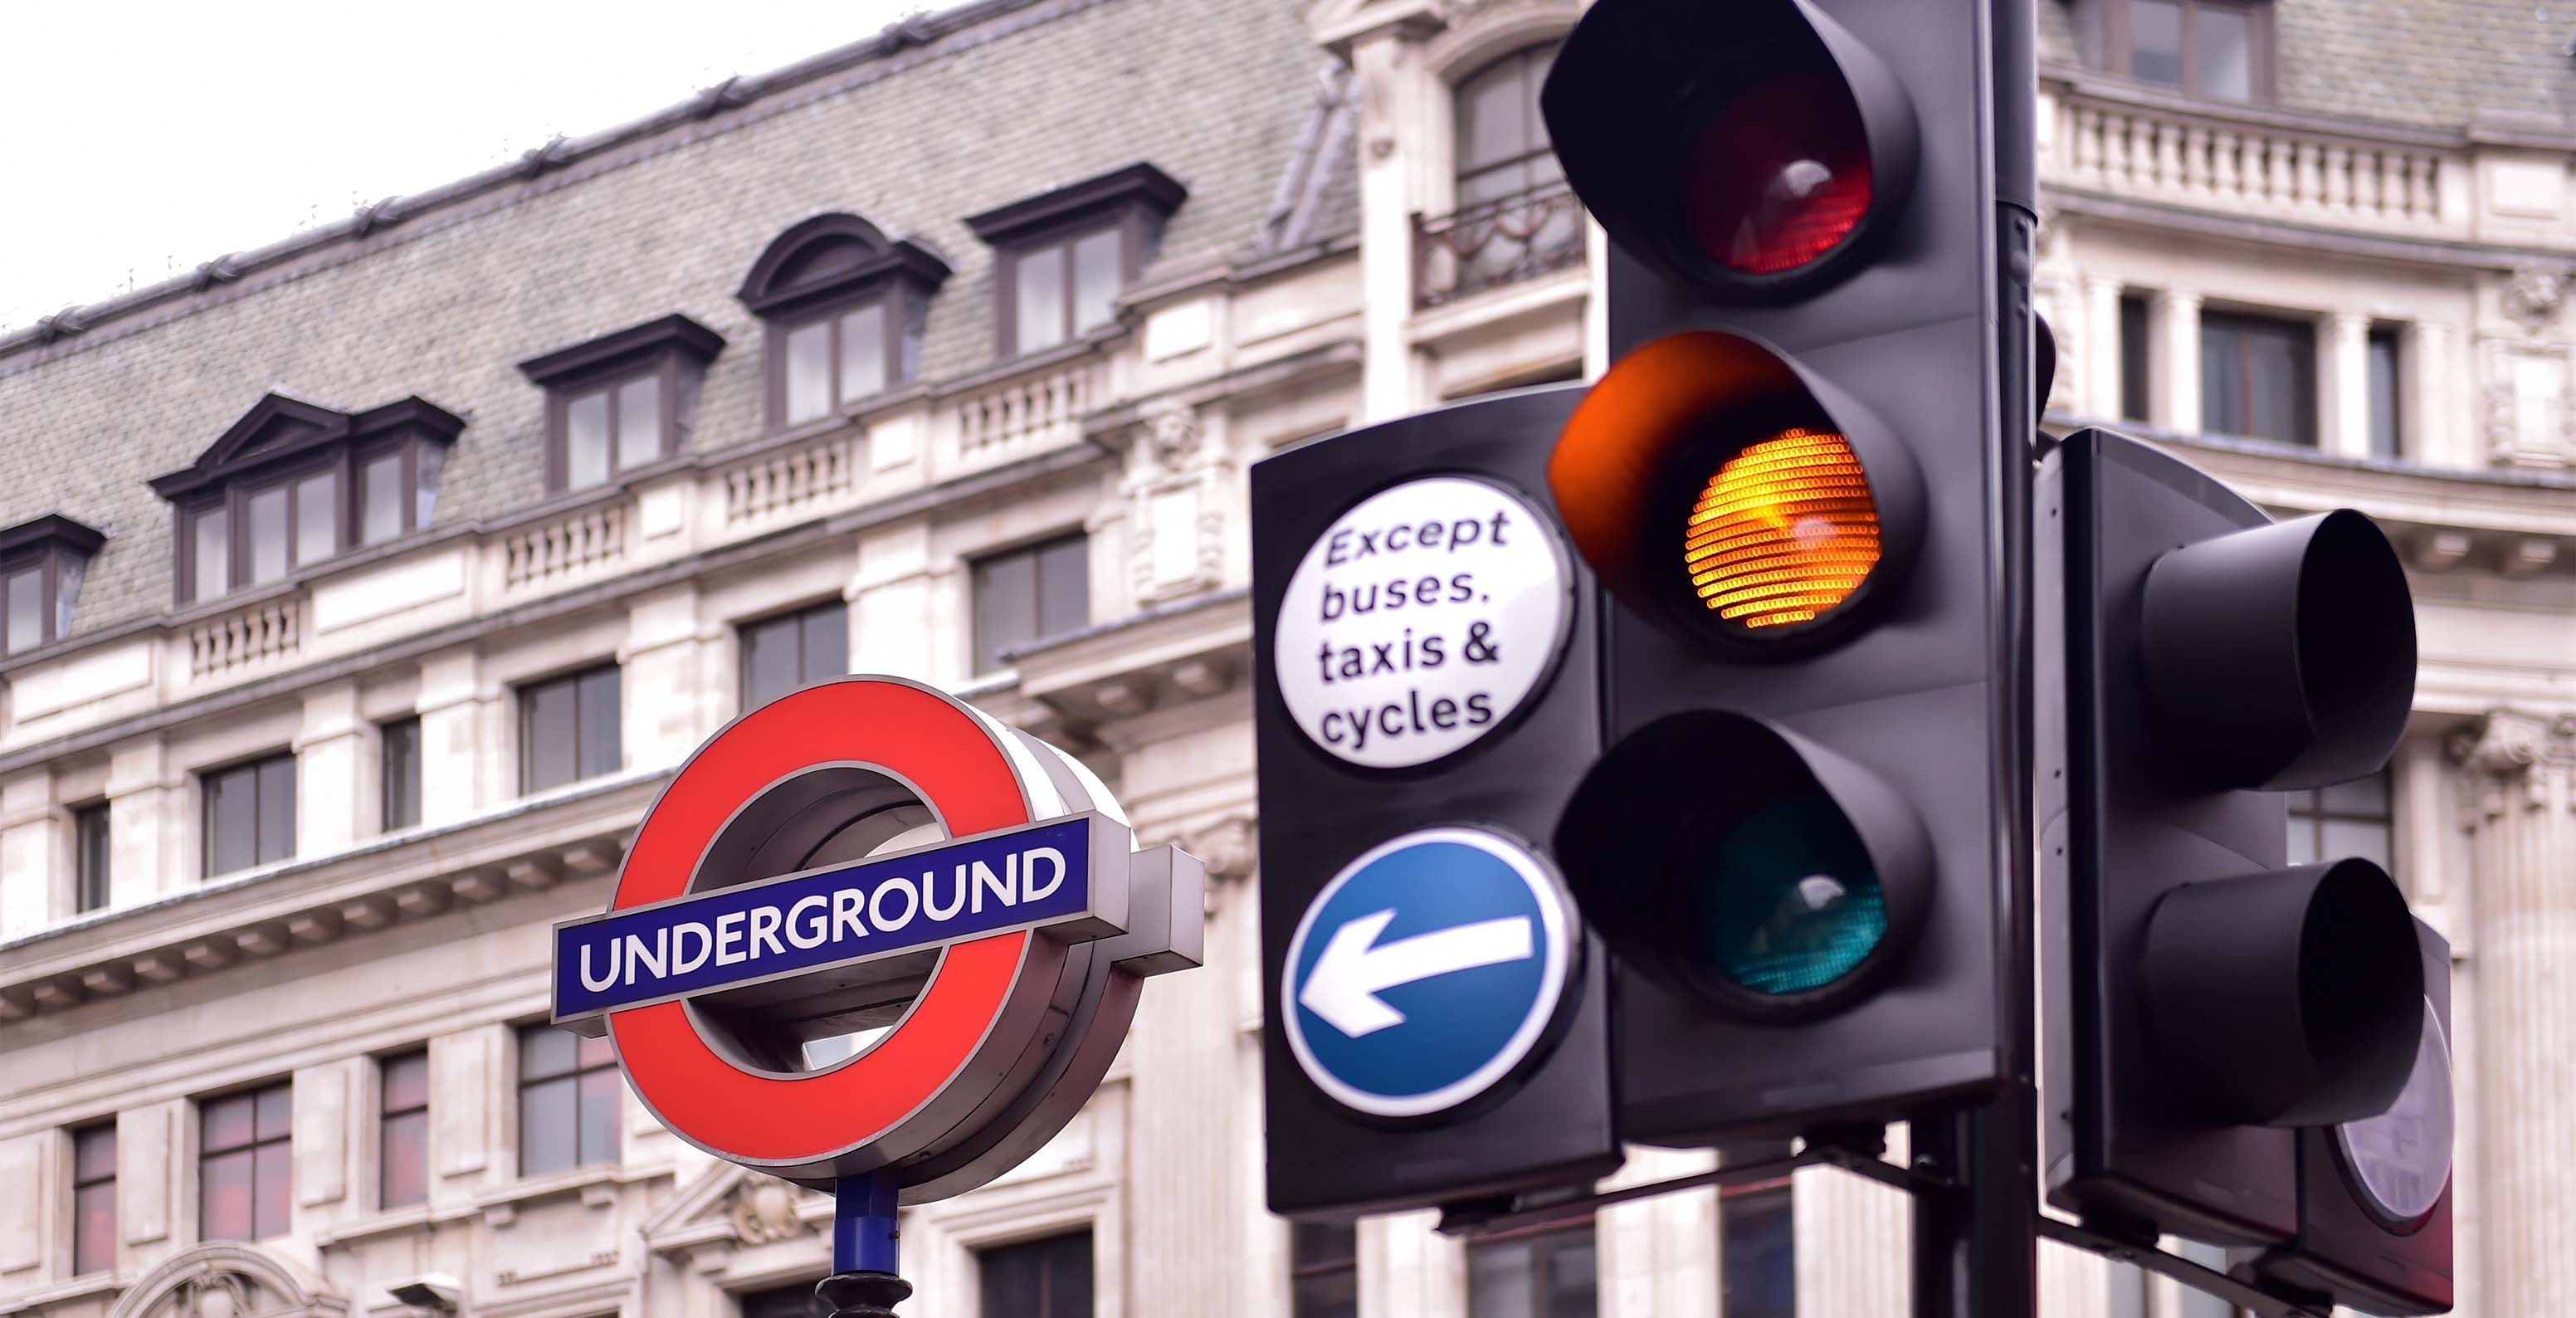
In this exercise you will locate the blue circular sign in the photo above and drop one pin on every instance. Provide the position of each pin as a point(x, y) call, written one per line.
point(1426, 971)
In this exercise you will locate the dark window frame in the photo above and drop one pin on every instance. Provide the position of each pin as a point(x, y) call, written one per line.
point(260, 1140)
point(56, 547)
point(93, 873)
point(824, 268)
point(1515, 63)
point(1335, 1271)
point(2137, 357)
point(802, 618)
point(83, 1182)
point(1034, 550)
point(284, 441)
point(1135, 201)
point(2384, 346)
point(1539, 1237)
point(2119, 53)
point(574, 679)
point(393, 810)
point(387, 1114)
point(793, 1300)
point(673, 350)
point(254, 766)
point(601, 1062)
point(1048, 1306)
point(1768, 1197)
point(2244, 327)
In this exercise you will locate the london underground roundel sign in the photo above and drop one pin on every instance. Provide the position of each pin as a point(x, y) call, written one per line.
point(870, 855)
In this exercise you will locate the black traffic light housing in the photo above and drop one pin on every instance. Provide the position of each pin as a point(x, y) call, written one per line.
point(1550, 1121)
point(2203, 999)
point(1793, 482)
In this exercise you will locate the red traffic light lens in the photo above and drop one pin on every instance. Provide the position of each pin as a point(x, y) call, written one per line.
point(1781, 175)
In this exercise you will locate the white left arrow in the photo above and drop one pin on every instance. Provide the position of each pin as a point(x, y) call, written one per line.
point(1343, 987)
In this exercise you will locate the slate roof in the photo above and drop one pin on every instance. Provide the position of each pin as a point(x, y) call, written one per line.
point(989, 104)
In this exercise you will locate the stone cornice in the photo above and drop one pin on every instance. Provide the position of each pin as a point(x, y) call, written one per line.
point(2508, 743)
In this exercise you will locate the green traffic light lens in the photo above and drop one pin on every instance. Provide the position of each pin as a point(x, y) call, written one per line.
point(1787, 902)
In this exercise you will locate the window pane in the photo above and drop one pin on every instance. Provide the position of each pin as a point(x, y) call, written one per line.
point(2133, 358)
point(2365, 838)
point(380, 501)
point(1009, 1280)
point(94, 1228)
point(224, 1197)
point(2383, 393)
point(546, 734)
point(783, 1302)
point(1064, 587)
point(586, 440)
point(2222, 42)
point(227, 1122)
point(599, 739)
point(404, 1177)
point(2278, 388)
point(402, 774)
point(406, 1082)
point(1758, 1255)
point(1005, 607)
point(1573, 1277)
point(214, 554)
point(1099, 271)
point(548, 1141)
point(275, 1170)
point(94, 1154)
point(317, 518)
point(2362, 796)
point(809, 371)
point(90, 854)
point(276, 808)
point(826, 642)
point(599, 1116)
point(232, 820)
point(2155, 41)
point(592, 1052)
point(26, 591)
point(1040, 309)
point(431, 459)
point(268, 535)
point(863, 352)
point(546, 1051)
point(1494, 123)
point(769, 659)
point(276, 1106)
point(639, 421)
point(1498, 1281)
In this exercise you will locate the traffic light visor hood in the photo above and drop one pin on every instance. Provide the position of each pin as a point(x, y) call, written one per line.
point(1720, 490)
point(1745, 866)
point(1753, 147)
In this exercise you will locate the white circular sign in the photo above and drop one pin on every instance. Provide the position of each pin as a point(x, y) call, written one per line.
point(2402, 1157)
point(1419, 620)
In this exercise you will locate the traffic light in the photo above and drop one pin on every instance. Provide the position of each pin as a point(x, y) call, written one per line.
point(2203, 999)
point(1435, 1023)
point(2375, 1194)
point(1795, 485)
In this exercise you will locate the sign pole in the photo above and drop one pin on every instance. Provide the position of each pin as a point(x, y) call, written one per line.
point(865, 1256)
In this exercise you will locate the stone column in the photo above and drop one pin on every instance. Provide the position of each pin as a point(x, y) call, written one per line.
point(1659, 1256)
point(34, 882)
point(2432, 398)
point(2343, 386)
point(2515, 806)
point(461, 760)
point(330, 1099)
point(1409, 1270)
point(891, 618)
point(2103, 351)
point(2174, 373)
point(144, 828)
point(337, 800)
point(1394, 151)
point(469, 1147)
point(153, 1209)
point(662, 688)
point(1855, 1241)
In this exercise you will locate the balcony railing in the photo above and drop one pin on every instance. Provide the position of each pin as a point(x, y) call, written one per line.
point(1495, 243)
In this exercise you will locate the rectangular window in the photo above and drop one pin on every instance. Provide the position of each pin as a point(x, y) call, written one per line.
point(1757, 1251)
point(1099, 262)
point(835, 359)
point(2258, 377)
point(796, 1301)
point(568, 729)
point(613, 428)
point(2347, 819)
point(1546, 1272)
point(401, 773)
point(25, 590)
point(380, 498)
point(784, 653)
point(1066, 288)
point(249, 814)
point(244, 1164)
point(212, 553)
point(317, 518)
point(568, 1089)
point(2134, 346)
point(1048, 1278)
point(402, 1131)
point(89, 857)
point(1030, 595)
point(269, 533)
point(1323, 1270)
point(2211, 48)
point(94, 1198)
point(2384, 397)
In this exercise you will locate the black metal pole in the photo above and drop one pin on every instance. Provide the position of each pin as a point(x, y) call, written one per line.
point(1976, 1246)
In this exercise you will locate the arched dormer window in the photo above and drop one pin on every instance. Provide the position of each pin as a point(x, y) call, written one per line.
point(844, 305)
point(294, 482)
point(1502, 147)
point(1514, 217)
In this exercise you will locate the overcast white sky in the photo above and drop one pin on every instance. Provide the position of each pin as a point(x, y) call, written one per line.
point(145, 139)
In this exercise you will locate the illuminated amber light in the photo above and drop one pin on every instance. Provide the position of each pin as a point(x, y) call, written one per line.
point(1783, 532)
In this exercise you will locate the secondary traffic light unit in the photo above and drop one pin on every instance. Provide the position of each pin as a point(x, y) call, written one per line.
point(2215, 1015)
point(1791, 484)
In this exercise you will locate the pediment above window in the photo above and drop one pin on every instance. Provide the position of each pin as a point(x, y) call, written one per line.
point(831, 258)
point(281, 428)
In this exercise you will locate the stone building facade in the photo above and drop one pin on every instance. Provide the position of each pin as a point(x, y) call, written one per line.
point(359, 592)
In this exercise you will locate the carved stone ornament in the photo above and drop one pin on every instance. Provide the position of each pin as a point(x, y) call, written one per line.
point(2504, 743)
point(223, 1295)
point(1230, 848)
point(2533, 296)
point(229, 1279)
point(1172, 434)
point(764, 1210)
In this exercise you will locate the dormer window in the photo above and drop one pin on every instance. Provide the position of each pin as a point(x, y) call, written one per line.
point(621, 401)
point(844, 305)
point(2219, 50)
point(1066, 255)
point(294, 482)
point(41, 566)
